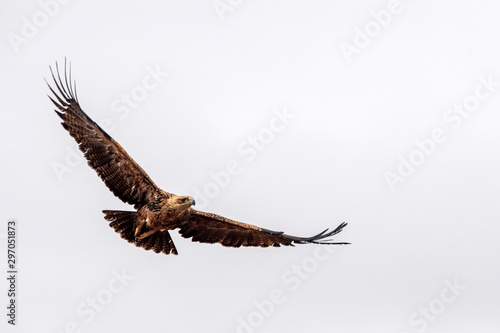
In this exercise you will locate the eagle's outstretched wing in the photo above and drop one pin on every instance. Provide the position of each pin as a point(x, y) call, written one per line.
point(121, 174)
point(211, 228)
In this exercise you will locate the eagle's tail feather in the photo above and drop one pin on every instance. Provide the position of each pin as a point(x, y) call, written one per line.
point(124, 223)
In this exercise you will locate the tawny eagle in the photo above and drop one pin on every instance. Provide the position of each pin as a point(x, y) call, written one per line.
point(157, 211)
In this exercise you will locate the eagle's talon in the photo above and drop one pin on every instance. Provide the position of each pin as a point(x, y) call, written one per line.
point(146, 234)
point(137, 230)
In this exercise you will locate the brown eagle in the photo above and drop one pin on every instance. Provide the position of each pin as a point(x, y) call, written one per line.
point(157, 211)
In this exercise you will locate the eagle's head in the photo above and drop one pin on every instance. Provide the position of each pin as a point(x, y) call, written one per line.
point(183, 202)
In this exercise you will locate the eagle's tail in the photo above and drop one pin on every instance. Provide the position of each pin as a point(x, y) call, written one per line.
point(124, 223)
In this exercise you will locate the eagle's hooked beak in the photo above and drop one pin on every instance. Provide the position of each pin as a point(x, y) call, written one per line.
point(193, 202)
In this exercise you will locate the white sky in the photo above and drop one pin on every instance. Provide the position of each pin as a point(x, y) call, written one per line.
point(353, 119)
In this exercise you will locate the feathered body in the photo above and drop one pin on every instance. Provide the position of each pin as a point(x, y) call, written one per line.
point(157, 211)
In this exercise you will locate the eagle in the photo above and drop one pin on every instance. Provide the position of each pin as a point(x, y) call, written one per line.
point(156, 211)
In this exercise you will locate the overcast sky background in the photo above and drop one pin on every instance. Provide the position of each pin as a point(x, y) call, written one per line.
point(424, 253)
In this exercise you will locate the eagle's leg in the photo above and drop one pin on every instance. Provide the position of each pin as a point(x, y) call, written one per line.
point(138, 229)
point(146, 234)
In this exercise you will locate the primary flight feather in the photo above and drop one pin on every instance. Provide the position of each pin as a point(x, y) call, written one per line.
point(157, 211)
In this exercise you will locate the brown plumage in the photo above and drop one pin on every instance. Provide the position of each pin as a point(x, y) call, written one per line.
point(157, 211)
